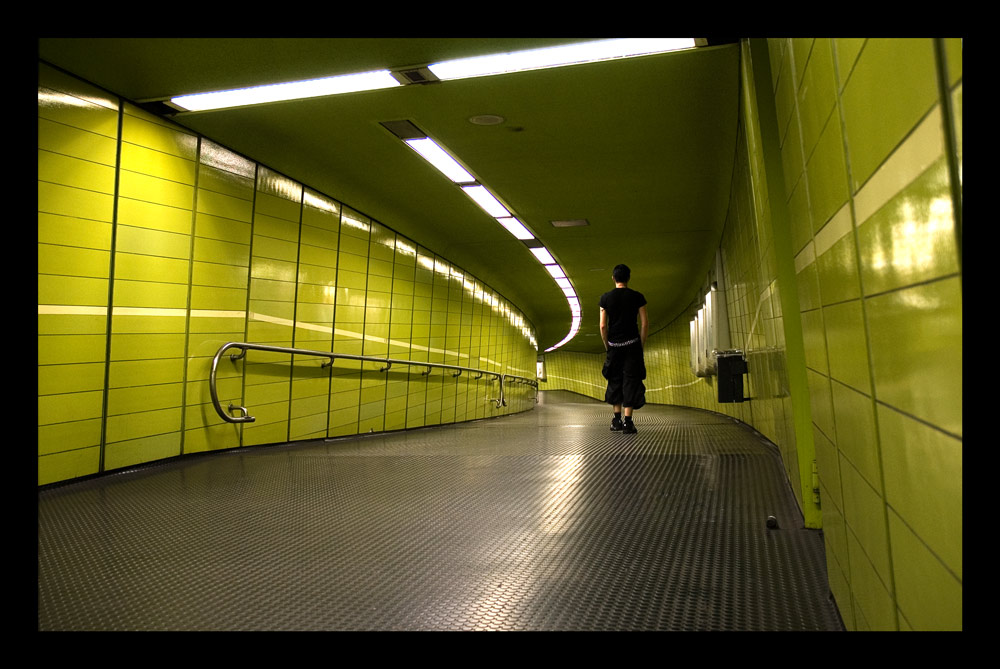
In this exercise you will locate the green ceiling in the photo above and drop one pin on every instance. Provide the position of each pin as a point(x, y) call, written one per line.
point(642, 148)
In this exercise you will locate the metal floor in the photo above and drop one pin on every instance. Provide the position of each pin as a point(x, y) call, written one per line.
point(540, 521)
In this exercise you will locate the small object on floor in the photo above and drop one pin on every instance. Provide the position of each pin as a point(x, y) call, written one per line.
point(772, 522)
point(616, 424)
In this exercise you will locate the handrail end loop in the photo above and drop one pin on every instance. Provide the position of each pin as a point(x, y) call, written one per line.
point(244, 417)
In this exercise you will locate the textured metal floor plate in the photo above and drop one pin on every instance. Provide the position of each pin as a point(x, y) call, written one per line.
point(540, 521)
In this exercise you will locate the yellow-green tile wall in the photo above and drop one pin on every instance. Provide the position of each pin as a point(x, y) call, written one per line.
point(869, 181)
point(157, 246)
point(879, 279)
point(77, 163)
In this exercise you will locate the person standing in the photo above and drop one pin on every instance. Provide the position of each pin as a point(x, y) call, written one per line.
point(624, 326)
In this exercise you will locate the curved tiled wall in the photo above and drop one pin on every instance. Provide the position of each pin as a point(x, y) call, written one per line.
point(863, 133)
point(156, 246)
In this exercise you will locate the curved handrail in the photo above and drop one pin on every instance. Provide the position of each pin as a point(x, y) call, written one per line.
point(388, 362)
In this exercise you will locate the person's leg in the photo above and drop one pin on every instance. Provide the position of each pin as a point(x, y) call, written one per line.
point(633, 390)
point(613, 373)
point(628, 427)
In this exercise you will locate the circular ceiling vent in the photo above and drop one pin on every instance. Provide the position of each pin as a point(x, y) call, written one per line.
point(487, 119)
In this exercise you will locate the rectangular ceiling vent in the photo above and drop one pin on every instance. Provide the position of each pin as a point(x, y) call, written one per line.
point(574, 223)
point(160, 107)
point(414, 75)
point(404, 130)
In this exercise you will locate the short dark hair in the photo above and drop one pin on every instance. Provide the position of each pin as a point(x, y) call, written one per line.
point(621, 274)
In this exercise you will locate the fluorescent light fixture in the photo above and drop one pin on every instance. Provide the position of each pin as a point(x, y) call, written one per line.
point(544, 256)
point(437, 157)
point(516, 228)
point(293, 90)
point(486, 200)
point(569, 292)
point(557, 56)
point(564, 283)
point(555, 271)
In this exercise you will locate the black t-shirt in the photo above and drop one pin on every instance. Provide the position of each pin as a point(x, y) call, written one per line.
point(622, 305)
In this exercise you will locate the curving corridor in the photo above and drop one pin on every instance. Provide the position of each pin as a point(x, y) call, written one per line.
point(289, 347)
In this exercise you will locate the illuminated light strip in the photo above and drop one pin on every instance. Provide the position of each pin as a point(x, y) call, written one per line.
point(516, 228)
point(439, 158)
point(487, 201)
point(293, 90)
point(531, 59)
point(543, 256)
point(576, 53)
point(556, 271)
point(557, 56)
point(445, 163)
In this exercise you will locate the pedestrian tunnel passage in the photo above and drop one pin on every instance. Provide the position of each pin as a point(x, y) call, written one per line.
point(543, 520)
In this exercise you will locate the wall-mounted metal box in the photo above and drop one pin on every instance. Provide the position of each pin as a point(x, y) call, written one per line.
point(731, 366)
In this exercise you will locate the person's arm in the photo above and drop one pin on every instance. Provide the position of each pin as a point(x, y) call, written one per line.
point(604, 328)
point(643, 326)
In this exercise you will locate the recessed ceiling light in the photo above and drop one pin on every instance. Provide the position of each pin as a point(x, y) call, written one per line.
point(486, 200)
point(543, 255)
point(516, 228)
point(555, 271)
point(437, 157)
point(567, 54)
point(293, 90)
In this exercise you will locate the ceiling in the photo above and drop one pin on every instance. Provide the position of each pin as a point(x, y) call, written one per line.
point(641, 148)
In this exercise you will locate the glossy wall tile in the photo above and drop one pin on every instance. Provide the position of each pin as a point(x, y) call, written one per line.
point(881, 301)
point(77, 148)
point(876, 274)
point(157, 246)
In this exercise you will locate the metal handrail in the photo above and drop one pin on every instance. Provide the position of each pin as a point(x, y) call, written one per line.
point(245, 416)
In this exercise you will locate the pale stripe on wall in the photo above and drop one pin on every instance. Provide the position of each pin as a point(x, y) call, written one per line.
point(72, 310)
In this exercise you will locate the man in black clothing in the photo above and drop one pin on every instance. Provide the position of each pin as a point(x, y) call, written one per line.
point(624, 367)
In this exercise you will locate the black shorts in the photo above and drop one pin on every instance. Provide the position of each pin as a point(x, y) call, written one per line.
point(625, 370)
